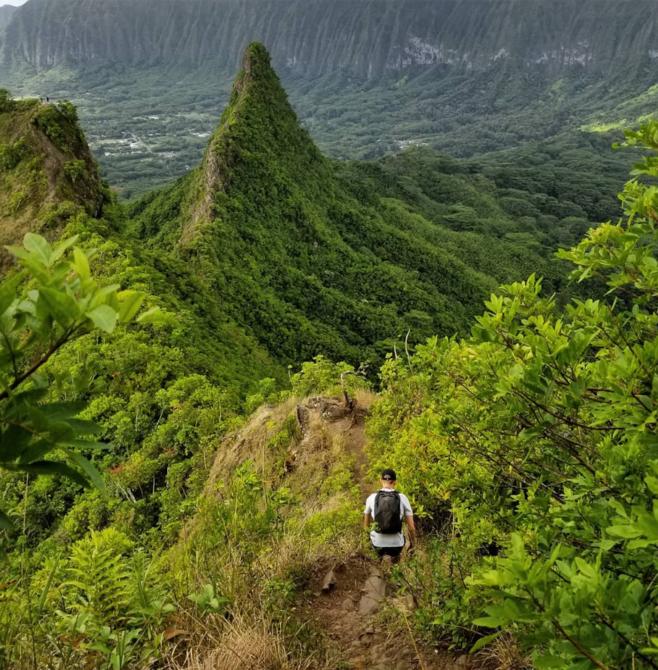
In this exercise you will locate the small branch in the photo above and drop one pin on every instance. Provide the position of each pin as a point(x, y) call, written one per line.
point(406, 347)
point(38, 364)
point(579, 647)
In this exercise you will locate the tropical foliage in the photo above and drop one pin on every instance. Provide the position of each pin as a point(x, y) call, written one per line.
point(534, 442)
point(528, 447)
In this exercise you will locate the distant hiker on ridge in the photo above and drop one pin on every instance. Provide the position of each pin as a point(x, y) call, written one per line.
point(388, 509)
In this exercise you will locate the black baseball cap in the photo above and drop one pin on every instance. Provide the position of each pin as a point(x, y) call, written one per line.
point(389, 474)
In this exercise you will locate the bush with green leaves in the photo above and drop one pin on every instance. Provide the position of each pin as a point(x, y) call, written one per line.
point(12, 154)
point(52, 301)
point(324, 376)
point(112, 603)
point(535, 441)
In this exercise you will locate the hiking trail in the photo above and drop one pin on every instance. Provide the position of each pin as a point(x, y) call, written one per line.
point(367, 624)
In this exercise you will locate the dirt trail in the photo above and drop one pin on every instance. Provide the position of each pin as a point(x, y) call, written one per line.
point(368, 626)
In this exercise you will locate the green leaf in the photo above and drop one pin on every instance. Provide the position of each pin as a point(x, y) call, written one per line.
point(130, 303)
point(8, 291)
point(81, 264)
point(13, 443)
point(61, 306)
point(152, 316)
point(652, 484)
point(35, 452)
point(93, 475)
point(55, 468)
point(61, 248)
point(484, 641)
point(628, 532)
point(103, 317)
point(5, 522)
point(38, 247)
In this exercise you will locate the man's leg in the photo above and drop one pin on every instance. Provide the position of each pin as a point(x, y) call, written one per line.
point(389, 554)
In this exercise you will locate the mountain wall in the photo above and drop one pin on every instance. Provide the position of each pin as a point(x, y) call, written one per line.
point(6, 13)
point(356, 38)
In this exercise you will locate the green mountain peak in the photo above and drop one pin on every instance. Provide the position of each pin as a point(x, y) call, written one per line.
point(259, 139)
point(311, 256)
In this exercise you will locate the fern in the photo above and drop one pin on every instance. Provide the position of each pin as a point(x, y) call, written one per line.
point(100, 581)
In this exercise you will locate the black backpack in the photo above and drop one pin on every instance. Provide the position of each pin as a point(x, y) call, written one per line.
point(387, 512)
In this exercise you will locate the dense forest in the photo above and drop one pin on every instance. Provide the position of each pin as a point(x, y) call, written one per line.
point(170, 487)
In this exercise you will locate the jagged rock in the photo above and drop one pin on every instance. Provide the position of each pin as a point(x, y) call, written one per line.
point(330, 409)
point(374, 591)
point(329, 581)
point(303, 415)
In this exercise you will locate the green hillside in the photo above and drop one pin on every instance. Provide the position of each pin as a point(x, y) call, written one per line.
point(314, 256)
point(180, 353)
point(47, 171)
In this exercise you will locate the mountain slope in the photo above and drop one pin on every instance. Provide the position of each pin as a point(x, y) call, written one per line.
point(47, 173)
point(362, 38)
point(314, 258)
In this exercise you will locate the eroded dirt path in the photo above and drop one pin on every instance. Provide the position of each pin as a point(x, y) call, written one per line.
point(368, 626)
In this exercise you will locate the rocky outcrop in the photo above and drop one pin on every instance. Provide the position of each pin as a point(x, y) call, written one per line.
point(356, 38)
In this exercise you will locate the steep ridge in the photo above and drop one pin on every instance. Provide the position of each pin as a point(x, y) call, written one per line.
point(314, 449)
point(47, 173)
point(315, 261)
point(258, 140)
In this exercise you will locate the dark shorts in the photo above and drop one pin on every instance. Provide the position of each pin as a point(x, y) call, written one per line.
point(394, 552)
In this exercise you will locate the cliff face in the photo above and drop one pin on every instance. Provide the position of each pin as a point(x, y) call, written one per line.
point(6, 13)
point(357, 38)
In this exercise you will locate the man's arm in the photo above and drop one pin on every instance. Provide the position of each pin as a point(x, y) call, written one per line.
point(367, 520)
point(411, 529)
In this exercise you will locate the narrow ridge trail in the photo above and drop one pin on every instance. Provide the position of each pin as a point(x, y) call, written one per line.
point(367, 624)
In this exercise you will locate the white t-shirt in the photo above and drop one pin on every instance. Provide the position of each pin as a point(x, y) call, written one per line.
point(392, 539)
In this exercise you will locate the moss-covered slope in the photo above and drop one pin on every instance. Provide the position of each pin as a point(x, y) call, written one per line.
point(47, 173)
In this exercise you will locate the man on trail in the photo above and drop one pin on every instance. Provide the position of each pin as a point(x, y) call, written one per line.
point(388, 509)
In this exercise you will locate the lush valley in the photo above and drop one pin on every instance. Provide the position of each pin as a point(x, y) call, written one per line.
point(366, 78)
point(176, 353)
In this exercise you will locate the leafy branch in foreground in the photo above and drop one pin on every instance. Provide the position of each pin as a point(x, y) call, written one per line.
point(50, 302)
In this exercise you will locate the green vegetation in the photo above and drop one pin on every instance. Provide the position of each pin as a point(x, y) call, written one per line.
point(315, 257)
point(63, 304)
point(531, 449)
point(47, 174)
point(527, 447)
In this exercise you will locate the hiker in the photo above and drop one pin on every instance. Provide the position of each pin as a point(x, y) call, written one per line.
point(388, 509)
